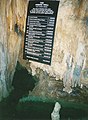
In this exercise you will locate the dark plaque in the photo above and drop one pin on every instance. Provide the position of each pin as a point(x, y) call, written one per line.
point(40, 28)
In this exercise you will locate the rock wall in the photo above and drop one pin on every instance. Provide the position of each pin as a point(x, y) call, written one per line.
point(12, 21)
point(70, 42)
point(69, 58)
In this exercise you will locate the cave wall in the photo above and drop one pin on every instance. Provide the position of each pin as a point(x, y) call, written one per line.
point(69, 58)
point(71, 39)
point(12, 21)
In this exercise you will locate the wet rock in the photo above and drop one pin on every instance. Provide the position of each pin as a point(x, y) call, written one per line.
point(62, 93)
point(70, 36)
point(55, 114)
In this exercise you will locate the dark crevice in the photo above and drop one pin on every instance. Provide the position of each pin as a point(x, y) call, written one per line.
point(17, 30)
point(22, 82)
point(12, 109)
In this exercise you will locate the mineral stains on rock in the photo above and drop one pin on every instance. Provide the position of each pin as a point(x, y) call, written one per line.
point(71, 37)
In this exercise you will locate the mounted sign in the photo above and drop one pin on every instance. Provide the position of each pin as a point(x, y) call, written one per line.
point(40, 28)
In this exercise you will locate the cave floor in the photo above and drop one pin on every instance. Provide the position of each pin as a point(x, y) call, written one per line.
point(34, 108)
point(19, 106)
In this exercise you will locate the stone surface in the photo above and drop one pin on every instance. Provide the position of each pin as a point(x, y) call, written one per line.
point(12, 20)
point(55, 115)
point(71, 37)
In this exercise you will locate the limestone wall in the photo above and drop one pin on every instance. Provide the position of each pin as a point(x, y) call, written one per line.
point(69, 58)
point(12, 21)
point(71, 38)
point(70, 42)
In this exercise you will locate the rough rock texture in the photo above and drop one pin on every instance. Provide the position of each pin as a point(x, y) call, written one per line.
point(71, 30)
point(70, 37)
point(70, 43)
point(12, 20)
point(55, 114)
point(69, 59)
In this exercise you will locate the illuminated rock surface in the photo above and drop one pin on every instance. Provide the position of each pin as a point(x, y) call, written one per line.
point(71, 37)
point(55, 115)
point(12, 20)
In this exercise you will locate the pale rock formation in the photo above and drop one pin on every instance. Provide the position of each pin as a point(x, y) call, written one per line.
point(55, 115)
point(71, 36)
point(12, 20)
point(71, 31)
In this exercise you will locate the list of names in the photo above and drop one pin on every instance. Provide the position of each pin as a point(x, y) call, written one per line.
point(39, 34)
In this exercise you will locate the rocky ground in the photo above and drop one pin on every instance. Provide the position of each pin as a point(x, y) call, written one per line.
point(54, 89)
point(44, 91)
point(44, 85)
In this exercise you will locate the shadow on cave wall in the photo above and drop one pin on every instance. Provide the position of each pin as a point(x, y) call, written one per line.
point(22, 83)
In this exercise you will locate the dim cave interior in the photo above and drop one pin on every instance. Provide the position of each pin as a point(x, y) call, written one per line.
point(53, 85)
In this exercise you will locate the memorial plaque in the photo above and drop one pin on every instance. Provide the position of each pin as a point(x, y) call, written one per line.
point(40, 28)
